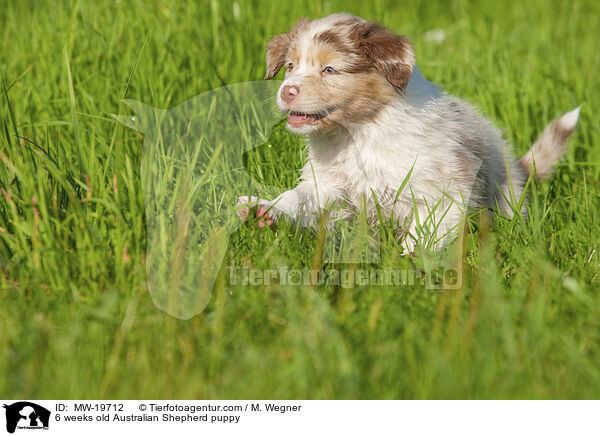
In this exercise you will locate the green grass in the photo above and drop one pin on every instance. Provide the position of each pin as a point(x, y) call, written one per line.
point(76, 317)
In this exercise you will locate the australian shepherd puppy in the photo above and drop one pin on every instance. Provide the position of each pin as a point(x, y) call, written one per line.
point(381, 137)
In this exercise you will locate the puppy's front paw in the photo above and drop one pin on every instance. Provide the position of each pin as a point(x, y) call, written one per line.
point(263, 216)
point(245, 201)
point(259, 208)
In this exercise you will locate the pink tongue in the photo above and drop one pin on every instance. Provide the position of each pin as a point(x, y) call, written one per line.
point(298, 119)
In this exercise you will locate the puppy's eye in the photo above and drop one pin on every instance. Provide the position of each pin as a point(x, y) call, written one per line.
point(290, 66)
point(329, 70)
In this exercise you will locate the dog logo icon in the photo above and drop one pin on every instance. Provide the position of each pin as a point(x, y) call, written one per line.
point(26, 415)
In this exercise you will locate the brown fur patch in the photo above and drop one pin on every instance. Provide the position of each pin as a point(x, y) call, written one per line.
point(278, 47)
point(336, 41)
point(328, 56)
point(391, 54)
point(547, 150)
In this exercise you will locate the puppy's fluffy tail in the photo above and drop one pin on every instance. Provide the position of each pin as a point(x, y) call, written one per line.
point(550, 146)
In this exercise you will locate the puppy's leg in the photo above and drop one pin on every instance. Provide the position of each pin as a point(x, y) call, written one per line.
point(302, 205)
point(269, 211)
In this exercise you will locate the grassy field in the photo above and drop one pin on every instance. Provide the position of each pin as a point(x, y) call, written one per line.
point(76, 317)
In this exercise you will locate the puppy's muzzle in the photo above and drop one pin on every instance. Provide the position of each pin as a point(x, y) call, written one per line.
point(289, 93)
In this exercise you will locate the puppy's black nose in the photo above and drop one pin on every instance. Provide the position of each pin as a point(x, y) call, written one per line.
point(289, 93)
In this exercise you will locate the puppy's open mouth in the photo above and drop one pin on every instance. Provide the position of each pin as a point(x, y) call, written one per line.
point(296, 118)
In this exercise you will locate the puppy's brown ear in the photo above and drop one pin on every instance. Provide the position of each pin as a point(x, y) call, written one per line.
point(278, 47)
point(391, 54)
point(276, 51)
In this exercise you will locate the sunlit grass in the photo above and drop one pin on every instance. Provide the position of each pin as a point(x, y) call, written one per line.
point(76, 311)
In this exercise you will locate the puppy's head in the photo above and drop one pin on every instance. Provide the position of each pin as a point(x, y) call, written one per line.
point(340, 70)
